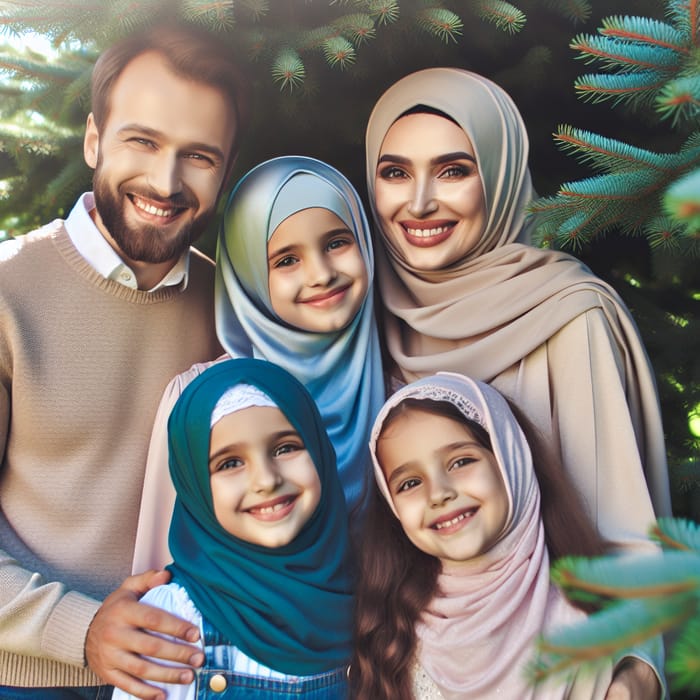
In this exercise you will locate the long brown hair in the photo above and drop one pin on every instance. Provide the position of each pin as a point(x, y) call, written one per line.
point(398, 581)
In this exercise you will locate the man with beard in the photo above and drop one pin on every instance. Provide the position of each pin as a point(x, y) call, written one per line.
point(97, 314)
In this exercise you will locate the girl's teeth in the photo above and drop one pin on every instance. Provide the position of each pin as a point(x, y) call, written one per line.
point(454, 521)
point(272, 509)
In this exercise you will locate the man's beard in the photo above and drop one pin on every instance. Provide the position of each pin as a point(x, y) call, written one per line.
point(147, 243)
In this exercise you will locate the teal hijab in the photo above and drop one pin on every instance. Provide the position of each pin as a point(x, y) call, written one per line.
point(289, 608)
point(341, 369)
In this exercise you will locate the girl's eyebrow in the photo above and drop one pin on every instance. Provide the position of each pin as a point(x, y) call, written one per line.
point(273, 253)
point(438, 160)
point(397, 473)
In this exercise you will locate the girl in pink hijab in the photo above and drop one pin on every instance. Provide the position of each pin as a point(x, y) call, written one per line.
point(455, 581)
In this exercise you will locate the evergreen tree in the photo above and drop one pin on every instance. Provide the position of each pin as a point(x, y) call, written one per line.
point(638, 600)
point(319, 65)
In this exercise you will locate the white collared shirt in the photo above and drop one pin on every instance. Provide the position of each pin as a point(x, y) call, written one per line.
point(93, 246)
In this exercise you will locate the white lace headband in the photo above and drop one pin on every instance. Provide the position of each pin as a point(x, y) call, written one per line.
point(237, 398)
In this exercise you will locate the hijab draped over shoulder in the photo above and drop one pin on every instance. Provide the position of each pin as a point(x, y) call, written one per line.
point(476, 638)
point(341, 369)
point(485, 313)
point(289, 607)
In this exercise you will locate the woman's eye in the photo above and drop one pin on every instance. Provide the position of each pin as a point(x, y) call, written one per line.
point(455, 171)
point(408, 484)
point(391, 172)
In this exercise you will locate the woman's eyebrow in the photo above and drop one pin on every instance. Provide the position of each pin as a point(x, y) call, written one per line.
point(444, 158)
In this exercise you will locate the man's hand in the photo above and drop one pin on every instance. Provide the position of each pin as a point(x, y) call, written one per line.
point(634, 680)
point(118, 640)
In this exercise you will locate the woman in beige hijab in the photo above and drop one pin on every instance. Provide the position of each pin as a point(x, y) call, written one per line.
point(464, 291)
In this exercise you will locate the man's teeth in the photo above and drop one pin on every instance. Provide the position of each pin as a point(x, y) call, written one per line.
point(150, 209)
point(426, 232)
point(454, 521)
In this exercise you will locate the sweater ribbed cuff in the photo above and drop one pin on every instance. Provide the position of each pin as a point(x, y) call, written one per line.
point(66, 630)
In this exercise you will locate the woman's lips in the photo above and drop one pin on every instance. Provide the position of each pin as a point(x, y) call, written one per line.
point(425, 234)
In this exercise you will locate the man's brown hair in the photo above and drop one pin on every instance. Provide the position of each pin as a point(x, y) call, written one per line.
point(192, 53)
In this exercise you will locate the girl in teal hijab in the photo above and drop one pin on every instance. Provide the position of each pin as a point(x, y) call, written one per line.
point(259, 537)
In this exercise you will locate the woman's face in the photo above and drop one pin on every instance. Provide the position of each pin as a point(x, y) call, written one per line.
point(428, 191)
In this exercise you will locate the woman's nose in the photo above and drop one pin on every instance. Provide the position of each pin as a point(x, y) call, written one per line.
point(423, 200)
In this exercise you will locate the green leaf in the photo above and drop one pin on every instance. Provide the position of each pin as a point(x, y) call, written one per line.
point(680, 533)
point(288, 69)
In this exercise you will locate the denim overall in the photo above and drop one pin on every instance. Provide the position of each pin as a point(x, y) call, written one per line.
point(216, 682)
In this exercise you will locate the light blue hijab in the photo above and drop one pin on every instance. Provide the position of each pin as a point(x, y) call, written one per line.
point(341, 369)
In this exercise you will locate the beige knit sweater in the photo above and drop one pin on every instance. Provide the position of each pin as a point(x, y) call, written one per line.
point(83, 363)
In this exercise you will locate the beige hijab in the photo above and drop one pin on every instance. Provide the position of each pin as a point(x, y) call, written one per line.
point(486, 312)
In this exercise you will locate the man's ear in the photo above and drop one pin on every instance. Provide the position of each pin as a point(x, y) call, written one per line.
point(91, 142)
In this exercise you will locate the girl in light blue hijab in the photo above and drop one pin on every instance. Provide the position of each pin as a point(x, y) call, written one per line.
point(294, 287)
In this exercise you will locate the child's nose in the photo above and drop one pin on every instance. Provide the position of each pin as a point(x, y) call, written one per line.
point(320, 272)
point(265, 477)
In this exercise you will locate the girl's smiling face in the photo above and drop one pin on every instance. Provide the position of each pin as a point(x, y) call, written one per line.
point(428, 193)
point(445, 485)
point(317, 277)
point(264, 484)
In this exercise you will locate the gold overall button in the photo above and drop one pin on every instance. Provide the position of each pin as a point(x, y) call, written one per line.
point(217, 683)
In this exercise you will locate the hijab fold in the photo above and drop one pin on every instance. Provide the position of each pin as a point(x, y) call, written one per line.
point(341, 369)
point(289, 608)
point(477, 636)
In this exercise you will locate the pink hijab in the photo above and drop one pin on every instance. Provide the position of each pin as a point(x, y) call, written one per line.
point(477, 636)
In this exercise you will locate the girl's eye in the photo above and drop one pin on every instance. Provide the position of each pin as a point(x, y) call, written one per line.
point(338, 243)
point(288, 448)
point(391, 172)
point(229, 463)
point(408, 484)
point(462, 462)
point(286, 261)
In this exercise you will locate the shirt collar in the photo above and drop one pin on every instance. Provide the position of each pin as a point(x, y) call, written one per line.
point(93, 246)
